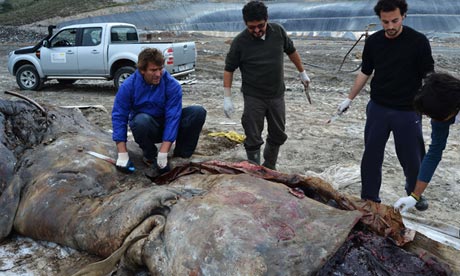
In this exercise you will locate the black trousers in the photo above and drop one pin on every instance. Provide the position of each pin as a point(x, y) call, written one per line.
point(410, 148)
point(255, 112)
point(147, 131)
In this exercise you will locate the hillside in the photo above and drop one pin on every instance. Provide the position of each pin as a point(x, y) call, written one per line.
point(20, 12)
point(36, 15)
point(23, 12)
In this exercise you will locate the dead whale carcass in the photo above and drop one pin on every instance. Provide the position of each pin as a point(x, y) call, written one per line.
point(197, 224)
point(64, 195)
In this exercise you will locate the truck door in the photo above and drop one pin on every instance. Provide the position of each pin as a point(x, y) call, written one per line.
point(91, 53)
point(60, 58)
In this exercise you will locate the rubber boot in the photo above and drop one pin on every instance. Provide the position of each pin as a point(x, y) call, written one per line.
point(253, 156)
point(270, 156)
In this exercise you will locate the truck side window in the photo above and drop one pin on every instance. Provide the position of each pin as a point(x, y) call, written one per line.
point(123, 34)
point(131, 36)
point(91, 36)
point(114, 37)
point(66, 38)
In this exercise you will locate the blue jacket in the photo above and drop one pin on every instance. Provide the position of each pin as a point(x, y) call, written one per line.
point(162, 101)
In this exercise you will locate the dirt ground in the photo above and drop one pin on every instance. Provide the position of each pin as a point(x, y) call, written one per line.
point(331, 151)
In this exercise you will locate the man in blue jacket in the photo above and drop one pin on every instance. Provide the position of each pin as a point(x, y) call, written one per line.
point(150, 102)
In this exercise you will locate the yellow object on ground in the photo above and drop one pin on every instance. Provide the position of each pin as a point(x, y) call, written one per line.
point(231, 135)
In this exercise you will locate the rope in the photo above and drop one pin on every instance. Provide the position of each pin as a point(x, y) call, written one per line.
point(365, 34)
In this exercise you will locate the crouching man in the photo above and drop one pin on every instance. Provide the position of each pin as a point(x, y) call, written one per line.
point(150, 102)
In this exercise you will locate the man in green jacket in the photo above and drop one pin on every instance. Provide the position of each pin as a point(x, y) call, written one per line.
point(258, 52)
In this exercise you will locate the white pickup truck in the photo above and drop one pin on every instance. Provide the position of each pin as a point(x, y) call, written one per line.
point(106, 51)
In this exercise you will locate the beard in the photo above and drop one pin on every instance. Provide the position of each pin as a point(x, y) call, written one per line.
point(392, 32)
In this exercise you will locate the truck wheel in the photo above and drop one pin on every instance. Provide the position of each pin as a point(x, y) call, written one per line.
point(122, 74)
point(27, 78)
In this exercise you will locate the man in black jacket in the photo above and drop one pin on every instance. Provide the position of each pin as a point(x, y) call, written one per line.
point(399, 57)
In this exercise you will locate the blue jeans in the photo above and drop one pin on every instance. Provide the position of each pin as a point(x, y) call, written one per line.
point(410, 148)
point(148, 131)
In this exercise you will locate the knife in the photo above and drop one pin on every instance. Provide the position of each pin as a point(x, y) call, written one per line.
point(307, 94)
point(334, 117)
point(112, 161)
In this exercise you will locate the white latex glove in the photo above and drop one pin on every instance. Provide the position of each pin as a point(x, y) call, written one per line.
point(344, 105)
point(304, 78)
point(162, 159)
point(123, 159)
point(228, 107)
point(405, 203)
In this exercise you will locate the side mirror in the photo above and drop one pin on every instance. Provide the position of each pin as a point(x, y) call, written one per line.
point(45, 43)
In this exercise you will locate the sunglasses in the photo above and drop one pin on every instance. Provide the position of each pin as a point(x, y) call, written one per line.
point(260, 26)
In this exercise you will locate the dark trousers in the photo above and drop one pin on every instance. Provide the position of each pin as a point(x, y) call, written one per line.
point(410, 148)
point(148, 130)
point(254, 114)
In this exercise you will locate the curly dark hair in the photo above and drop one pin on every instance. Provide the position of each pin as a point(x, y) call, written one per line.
point(390, 5)
point(255, 11)
point(150, 55)
point(439, 96)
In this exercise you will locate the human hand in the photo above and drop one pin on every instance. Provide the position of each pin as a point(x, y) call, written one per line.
point(344, 106)
point(123, 163)
point(228, 107)
point(405, 203)
point(162, 160)
point(304, 78)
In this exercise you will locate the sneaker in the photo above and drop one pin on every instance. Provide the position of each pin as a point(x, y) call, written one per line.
point(422, 204)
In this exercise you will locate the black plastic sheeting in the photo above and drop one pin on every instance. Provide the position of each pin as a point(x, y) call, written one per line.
point(426, 16)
